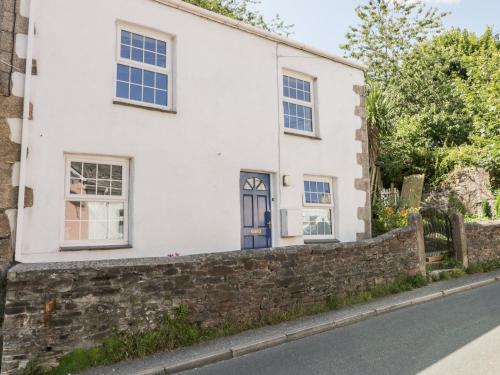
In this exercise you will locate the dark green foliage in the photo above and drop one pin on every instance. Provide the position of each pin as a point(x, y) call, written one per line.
point(486, 209)
point(450, 262)
point(443, 91)
point(497, 205)
point(447, 108)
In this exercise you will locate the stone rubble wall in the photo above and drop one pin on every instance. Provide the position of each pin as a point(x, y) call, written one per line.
point(483, 241)
point(468, 187)
point(53, 308)
point(3, 276)
point(12, 24)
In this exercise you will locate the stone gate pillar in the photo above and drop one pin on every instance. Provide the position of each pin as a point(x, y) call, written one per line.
point(459, 239)
point(415, 220)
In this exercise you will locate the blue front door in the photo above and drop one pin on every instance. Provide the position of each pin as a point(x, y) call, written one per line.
point(255, 210)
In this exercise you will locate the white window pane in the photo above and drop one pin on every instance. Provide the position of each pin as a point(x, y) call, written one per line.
point(115, 211)
point(98, 211)
point(100, 220)
point(98, 230)
point(317, 221)
point(115, 231)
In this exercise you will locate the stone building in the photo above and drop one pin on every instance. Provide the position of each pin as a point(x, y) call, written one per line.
point(153, 126)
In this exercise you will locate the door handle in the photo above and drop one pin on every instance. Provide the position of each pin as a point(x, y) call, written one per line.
point(267, 217)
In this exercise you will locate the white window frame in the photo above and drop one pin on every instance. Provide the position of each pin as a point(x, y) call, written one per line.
point(312, 104)
point(330, 206)
point(123, 198)
point(168, 39)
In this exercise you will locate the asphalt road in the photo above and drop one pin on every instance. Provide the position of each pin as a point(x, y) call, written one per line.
point(456, 335)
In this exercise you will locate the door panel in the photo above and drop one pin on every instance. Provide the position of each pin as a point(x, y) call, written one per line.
point(261, 210)
point(255, 210)
point(248, 211)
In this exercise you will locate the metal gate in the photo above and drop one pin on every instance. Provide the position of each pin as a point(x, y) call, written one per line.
point(437, 234)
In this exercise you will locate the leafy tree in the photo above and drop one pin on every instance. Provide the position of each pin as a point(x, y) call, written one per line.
point(240, 10)
point(447, 106)
point(387, 30)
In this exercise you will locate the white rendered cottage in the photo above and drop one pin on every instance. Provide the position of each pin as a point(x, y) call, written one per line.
point(159, 127)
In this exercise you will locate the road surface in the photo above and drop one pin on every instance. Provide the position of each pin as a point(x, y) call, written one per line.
point(455, 335)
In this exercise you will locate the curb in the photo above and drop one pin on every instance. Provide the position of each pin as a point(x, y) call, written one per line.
point(296, 334)
point(255, 346)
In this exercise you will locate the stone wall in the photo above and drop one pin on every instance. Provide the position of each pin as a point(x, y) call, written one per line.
point(54, 308)
point(483, 241)
point(12, 23)
point(467, 188)
point(3, 275)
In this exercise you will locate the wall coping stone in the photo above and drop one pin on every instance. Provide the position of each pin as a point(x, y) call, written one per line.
point(138, 262)
point(482, 224)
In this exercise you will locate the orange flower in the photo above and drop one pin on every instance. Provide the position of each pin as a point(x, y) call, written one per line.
point(389, 210)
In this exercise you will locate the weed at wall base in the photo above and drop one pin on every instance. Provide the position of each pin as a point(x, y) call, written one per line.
point(483, 266)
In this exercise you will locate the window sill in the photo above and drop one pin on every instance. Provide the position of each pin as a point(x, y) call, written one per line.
point(326, 241)
point(95, 247)
point(119, 102)
point(310, 136)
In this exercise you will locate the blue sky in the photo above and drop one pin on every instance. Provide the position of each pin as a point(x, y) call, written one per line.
point(323, 23)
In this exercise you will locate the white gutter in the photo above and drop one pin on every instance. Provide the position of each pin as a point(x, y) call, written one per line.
point(25, 131)
point(240, 25)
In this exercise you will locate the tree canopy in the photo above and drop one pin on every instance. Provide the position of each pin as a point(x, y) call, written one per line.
point(387, 29)
point(443, 89)
point(447, 107)
point(241, 10)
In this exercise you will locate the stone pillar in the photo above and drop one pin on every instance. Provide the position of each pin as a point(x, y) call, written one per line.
point(415, 220)
point(459, 239)
point(363, 183)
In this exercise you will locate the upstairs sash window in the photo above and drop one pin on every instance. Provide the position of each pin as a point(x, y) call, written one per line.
point(143, 71)
point(298, 104)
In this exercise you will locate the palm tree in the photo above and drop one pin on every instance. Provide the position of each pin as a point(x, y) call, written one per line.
point(380, 112)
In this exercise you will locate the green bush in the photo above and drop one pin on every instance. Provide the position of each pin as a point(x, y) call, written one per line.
point(497, 205)
point(486, 209)
point(387, 217)
point(450, 262)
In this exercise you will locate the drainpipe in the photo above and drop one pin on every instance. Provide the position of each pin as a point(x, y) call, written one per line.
point(25, 131)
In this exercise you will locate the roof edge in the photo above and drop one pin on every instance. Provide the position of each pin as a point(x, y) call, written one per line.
point(240, 25)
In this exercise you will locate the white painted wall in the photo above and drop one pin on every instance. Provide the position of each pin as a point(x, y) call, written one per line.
point(185, 167)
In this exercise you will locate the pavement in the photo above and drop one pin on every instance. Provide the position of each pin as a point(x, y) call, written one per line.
point(398, 334)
